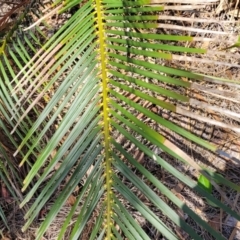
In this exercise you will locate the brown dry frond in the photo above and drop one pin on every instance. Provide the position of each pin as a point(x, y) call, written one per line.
point(9, 10)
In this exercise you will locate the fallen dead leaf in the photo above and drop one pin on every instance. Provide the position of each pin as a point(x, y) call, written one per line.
point(71, 200)
point(215, 223)
point(4, 191)
point(42, 213)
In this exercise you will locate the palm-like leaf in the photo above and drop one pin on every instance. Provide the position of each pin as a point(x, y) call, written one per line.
point(85, 76)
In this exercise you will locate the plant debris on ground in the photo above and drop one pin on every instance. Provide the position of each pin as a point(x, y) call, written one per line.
point(219, 16)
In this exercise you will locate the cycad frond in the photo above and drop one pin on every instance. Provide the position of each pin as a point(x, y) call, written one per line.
point(94, 78)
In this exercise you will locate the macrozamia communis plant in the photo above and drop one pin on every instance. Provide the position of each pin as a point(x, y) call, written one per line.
point(88, 85)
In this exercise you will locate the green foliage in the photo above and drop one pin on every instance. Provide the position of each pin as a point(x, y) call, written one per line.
point(69, 99)
point(205, 183)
